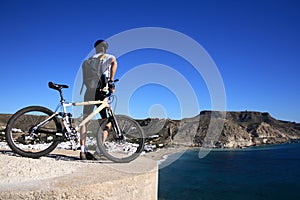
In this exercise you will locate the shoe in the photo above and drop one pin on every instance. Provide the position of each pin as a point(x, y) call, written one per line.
point(82, 156)
point(86, 156)
point(89, 156)
point(98, 155)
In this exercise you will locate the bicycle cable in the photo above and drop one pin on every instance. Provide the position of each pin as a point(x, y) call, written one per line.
point(113, 99)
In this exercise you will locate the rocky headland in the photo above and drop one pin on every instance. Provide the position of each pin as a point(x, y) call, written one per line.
point(213, 129)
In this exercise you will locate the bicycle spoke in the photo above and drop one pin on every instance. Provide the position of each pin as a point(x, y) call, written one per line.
point(25, 138)
point(123, 149)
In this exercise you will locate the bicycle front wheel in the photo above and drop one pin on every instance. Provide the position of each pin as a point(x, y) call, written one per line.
point(27, 139)
point(125, 149)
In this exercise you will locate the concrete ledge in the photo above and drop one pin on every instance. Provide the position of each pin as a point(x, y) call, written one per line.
point(76, 179)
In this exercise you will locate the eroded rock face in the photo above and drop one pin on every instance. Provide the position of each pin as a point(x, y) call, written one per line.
point(242, 129)
point(233, 130)
point(235, 136)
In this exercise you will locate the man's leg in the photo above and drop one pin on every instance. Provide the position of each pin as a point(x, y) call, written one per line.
point(83, 129)
point(106, 130)
point(82, 137)
point(104, 115)
point(97, 154)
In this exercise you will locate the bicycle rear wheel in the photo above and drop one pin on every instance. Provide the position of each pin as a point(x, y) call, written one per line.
point(121, 150)
point(23, 123)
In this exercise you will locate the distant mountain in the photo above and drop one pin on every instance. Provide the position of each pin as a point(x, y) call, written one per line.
point(213, 129)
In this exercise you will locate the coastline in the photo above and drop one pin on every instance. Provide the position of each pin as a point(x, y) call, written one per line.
point(160, 154)
point(163, 153)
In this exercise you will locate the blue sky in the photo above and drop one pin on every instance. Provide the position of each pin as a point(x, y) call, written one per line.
point(254, 44)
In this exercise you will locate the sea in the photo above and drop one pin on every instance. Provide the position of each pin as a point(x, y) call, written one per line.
point(265, 172)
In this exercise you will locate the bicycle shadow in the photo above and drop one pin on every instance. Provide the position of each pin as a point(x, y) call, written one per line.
point(53, 156)
point(57, 157)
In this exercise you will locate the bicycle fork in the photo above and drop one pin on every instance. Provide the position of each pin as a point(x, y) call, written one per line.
point(119, 134)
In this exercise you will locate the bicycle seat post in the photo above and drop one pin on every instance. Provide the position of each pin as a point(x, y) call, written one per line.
point(62, 100)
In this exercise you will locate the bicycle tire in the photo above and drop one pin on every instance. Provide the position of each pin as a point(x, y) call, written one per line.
point(126, 150)
point(20, 124)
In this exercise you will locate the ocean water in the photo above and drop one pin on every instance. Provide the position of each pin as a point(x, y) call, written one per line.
point(269, 172)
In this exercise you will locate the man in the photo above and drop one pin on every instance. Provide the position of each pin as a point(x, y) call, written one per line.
point(107, 65)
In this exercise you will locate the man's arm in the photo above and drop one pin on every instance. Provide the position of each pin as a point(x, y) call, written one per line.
point(113, 69)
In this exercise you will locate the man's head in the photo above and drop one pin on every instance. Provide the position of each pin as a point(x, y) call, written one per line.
point(101, 46)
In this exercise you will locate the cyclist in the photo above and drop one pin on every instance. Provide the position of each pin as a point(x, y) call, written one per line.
point(108, 65)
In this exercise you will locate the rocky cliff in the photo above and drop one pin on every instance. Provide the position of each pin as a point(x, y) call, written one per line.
point(222, 130)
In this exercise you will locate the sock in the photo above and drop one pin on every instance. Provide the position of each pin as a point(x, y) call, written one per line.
point(82, 148)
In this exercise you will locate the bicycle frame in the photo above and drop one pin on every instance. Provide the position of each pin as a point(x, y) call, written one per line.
point(66, 116)
point(64, 105)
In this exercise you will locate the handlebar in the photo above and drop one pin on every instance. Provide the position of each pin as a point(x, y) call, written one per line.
point(106, 89)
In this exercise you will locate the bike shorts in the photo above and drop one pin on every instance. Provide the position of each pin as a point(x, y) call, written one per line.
point(92, 95)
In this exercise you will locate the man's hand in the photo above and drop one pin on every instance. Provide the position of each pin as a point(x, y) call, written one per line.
point(111, 86)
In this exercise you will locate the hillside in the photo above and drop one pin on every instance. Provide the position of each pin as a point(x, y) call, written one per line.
point(241, 129)
point(238, 129)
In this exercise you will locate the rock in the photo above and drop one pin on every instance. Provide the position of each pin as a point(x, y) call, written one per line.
point(238, 130)
point(48, 178)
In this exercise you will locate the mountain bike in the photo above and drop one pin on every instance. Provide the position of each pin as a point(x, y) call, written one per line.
point(35, 131)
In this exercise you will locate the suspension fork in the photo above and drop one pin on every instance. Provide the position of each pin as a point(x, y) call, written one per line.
point(115, 124)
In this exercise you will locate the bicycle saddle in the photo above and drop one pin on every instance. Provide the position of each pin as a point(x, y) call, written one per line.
point(56, 86)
